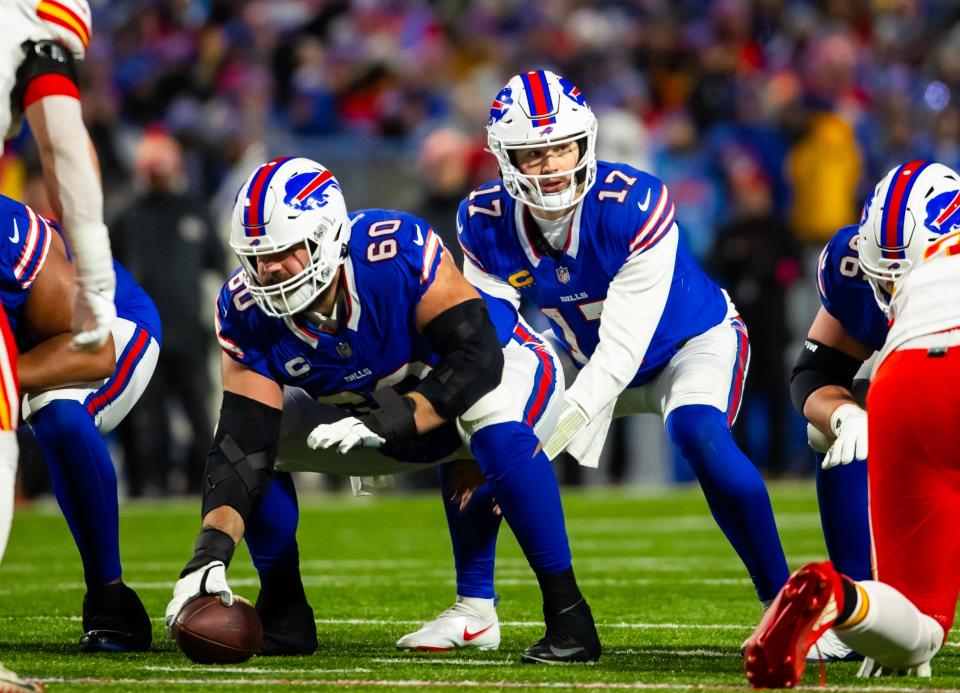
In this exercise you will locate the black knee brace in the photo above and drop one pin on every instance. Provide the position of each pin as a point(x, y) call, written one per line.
point(240, 464)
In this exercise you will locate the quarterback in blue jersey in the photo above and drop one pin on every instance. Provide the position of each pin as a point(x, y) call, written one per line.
point(73, 397)
point(367, 312)
point(595, 247)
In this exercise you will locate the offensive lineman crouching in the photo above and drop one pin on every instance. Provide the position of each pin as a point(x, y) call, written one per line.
point(348, 308)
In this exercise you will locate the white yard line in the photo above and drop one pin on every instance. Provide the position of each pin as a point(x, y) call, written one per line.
point(443, 660)
point(415, 683)
point(674, 653)
point(193, 668)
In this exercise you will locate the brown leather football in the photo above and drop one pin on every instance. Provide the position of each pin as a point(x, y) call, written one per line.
point(210, 633)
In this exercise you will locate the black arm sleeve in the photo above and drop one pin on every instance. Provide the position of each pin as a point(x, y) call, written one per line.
point(819, 365)
point(240, 464)
point(41, 58)
point(471, 359)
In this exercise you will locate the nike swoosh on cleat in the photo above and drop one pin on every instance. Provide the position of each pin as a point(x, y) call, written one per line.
point(468, 636)
point(565, 651)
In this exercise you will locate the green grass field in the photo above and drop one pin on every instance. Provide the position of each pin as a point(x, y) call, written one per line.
point(672, 601)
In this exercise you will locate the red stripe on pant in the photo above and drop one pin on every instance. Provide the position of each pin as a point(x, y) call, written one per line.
point(543, 388)
point(122, 374)
point(739, 374)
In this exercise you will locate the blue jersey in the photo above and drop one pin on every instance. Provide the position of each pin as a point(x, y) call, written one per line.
point(626, 213)
point(845, 292)
point(392, 261)
point(28, 238)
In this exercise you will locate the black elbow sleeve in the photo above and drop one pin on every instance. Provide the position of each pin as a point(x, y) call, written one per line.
point(817, 366)
point(41, 58)
point(240, 464)
point(471, 359)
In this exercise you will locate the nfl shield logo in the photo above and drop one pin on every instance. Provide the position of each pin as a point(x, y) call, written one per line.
point(344, 350)
point(563, 274)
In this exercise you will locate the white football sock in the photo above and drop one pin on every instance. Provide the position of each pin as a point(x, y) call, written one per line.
point(8, 482)
point(893, 631)
point(483, 606)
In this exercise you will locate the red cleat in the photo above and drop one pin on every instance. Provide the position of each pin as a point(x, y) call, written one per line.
point(806, 607)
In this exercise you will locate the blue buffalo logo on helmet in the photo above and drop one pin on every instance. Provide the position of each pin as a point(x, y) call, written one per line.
point(501, 104)
point(943, 212)
point(307, 191)
point(572, 92)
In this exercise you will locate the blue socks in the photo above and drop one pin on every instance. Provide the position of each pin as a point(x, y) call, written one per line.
point(271, 533)
point(85, 484)
point(474, 536)
point(525, 487)
point(842, 492)
point(734, 490)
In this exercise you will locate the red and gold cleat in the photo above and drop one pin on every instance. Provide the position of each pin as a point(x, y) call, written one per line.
point(805, 608)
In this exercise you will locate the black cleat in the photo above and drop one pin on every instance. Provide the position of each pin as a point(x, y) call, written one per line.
point(289, 627)
point(114, 620)
point(571, 638)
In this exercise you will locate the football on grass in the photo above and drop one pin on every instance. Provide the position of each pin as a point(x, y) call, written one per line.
point(210, 633)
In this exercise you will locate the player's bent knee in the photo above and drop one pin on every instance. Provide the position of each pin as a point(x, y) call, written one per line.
point(502, 449)
point(63, 419)
point(694, 428)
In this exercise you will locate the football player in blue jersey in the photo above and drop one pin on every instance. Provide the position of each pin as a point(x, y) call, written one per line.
point(71, 398)
point(888, 287)
point(829, 385)
point(595, 247)
point(347, 308)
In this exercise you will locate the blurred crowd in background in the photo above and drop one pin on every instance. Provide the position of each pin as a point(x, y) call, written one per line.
point(769, 120)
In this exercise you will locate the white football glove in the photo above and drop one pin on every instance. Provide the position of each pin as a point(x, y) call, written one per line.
point(210, 579)
point(849, 424)
point(93, 315)
point(346, 434)
point(572, 420)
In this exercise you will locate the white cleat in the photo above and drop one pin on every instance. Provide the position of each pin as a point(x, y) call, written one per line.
point(12, 683)
point(461, 625)
point(830, 648)
point(871, 669)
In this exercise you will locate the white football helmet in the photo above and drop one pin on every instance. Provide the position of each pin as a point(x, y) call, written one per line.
point(537, 109)
point(910, 208)
point(286, 202)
